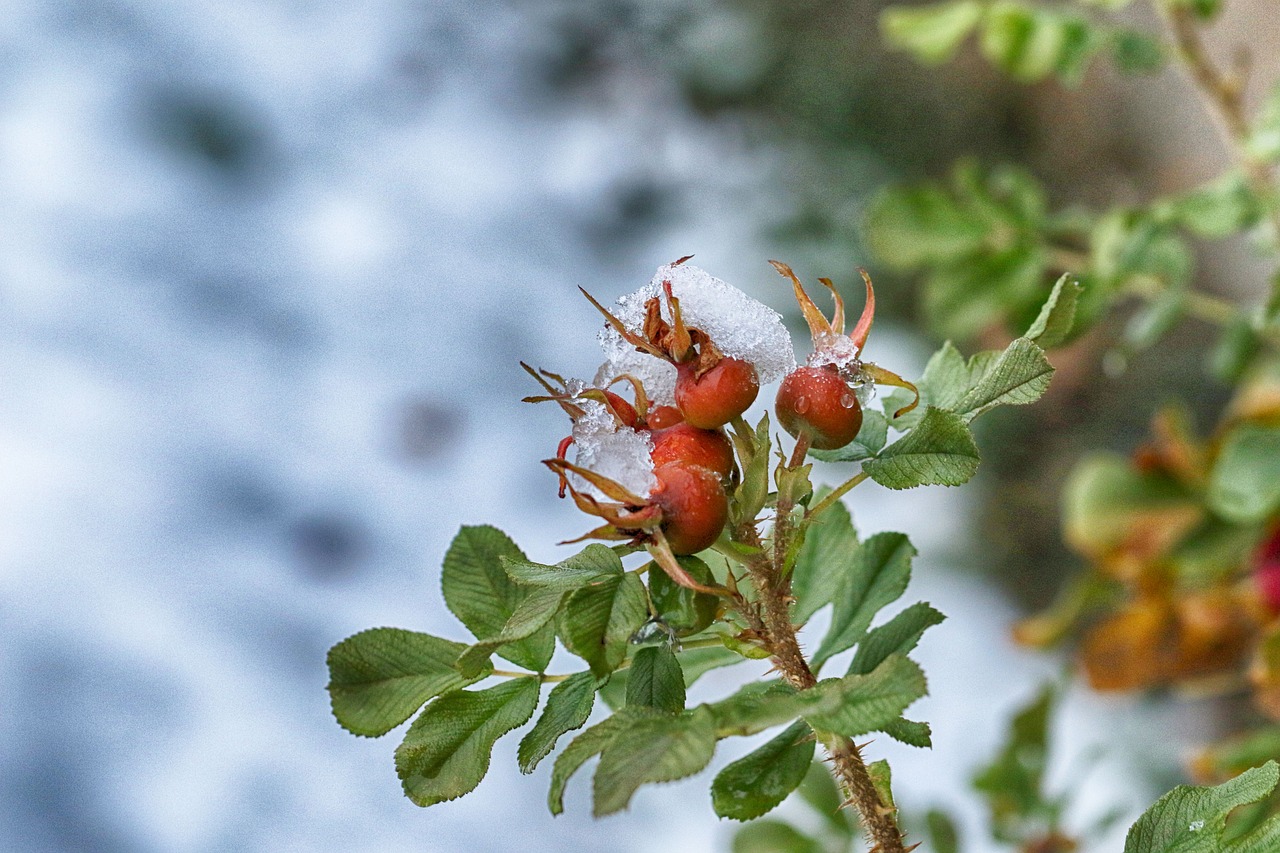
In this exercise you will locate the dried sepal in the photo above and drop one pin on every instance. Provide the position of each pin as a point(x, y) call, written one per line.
point(888, 377)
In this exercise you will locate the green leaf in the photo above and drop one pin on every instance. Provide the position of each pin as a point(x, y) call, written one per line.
point(1155, 319)
point(910, 732)
point(1053, 325)
point(694, 663)
point(1136, 53)
point(446, 751)
point(867, 443)
point(1030, 43)
point(819, 790)
point(882, 779)
point(931, 33)
point(1020, 375)
point(1106, 502)
point(963, 298)
point(592, 563)
point(868, 703)
point(598, 619)
point(1192, 820)
point(586, 746)
point(1234, 351)
point(1245, 484)
point(828, 554)
point(910, 227)
point(939, 451)
point(1264, 141)
point(1203, 9)
point(477, 590)
point(756, 783)
point(568, 706)
point(652, 749)
point(1012, 783)
point(943, 836)
point(750, 496)
point(897, 636)
point(1126, 243)
point(380, 677)
point(534, 612)
point(1218, 209)
point(683, 610)
point(773, 836)
point(877, 577)
point(655, 680)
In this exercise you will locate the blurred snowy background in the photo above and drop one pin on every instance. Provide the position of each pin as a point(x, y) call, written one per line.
point(266, 271)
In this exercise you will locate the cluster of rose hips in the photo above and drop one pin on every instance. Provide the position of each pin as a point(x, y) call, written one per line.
point(693, 468)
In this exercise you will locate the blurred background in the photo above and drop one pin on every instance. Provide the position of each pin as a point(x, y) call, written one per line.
point(266, 272)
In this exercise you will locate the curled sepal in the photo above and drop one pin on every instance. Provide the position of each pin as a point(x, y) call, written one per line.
point(860, 331)
point(662, 554)
point(888, 377)
point(627, 335)
point(610, 488)
point(818, 324)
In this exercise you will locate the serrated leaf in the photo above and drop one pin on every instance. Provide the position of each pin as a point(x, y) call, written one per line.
point(867, 443)
point(897, 636)
point(756, 783)
point(774, 836)
point(931, 33)
point(877, 576)
point(592, 563)
point(534, 612)
point(1245, 484)
point(910, 732)
point(750, 496)
point(655, 680)
point(1192, 820)
point(1058, 315)
point(827, 555)
point(380, 677)
point(477, 590)
point(586, 746)
point(446, 751)
point(758, 706)
point(568, 706)
point(597, 620)
point(946, 379)
point(940, 451)
point(1020, 375)
point(868, 703)
point(652, 749)
point(694, 663)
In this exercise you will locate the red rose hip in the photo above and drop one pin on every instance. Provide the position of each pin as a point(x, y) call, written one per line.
point(694, 507)
point(817, 401)
point(717, 396)
point(690, 446)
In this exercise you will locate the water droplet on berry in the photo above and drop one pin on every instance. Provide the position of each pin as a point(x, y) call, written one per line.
point(848, 399)
point(802, 405)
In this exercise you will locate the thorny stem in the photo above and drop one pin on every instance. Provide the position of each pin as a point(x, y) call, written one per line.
point(779, 636)
point(1223, 97)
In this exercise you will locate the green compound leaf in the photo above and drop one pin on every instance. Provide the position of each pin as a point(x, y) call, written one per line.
point(655, 680)
point(1030, 43)
point(446, 751)
point(380, 677)
point(758, 706)
point(598, 619)
point(940, 451)
point(1018, 376)
point(1053, 326)
point(910, 732)
point(1245, 484)
point(897, 636)
point(586, 746)
point(868, 703)
point(774, 836)
point(756, 783)
point(828, 554)
point(534, 612)
point(477, 590)
point(879, 575)
point(930, 33)
point(568, 706)
point(652, 749)
point(868, 442)
point(592, 563)
point(1217, 209)
point(1192, 820)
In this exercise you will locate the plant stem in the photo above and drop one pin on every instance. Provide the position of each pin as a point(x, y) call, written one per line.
point(836, 494)
point(767, 574)
point(1223, 98)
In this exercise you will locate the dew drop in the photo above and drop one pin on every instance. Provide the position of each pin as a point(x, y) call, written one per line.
point(802, 405)
point(848, 399)
point(1196, 826)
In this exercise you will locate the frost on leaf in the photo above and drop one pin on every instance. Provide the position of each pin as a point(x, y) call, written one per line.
point(739, 326)
point(620, 453)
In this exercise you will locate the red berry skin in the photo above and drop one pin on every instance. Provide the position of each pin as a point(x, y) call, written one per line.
point(1266, 578)
point(690, 446)
point(719, 395)
point(694, 507)
point(661, 417)
point(815, 400)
